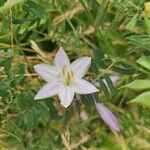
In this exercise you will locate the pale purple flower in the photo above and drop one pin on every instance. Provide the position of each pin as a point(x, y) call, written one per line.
point(64, 78)
point(108, 117)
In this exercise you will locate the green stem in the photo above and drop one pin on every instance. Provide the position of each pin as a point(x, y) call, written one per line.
point(88, 11)
point(15, 136)
point(134, 66)
point(104, 71)
point(10, 4)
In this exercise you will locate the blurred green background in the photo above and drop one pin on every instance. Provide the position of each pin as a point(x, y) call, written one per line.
point(115, 33)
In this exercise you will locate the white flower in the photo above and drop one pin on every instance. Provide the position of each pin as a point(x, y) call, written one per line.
point(64, 78)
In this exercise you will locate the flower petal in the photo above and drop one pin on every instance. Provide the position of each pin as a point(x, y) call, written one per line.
point(48, 90)
point(108, 117)
point(84, 87)
point(66, 95)
point(61, 59)
point(47, 72)
point(80, 66)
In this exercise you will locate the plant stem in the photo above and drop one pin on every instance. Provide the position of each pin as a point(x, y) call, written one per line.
point(10, 4)
point(15, 136)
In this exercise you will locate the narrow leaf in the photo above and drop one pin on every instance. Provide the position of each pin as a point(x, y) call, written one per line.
point(30, 120)
point(144, 61)
point(143, 99)
point(68, 115)
point(101, 14)
point(138, 85)
point(104, 87)
point(131, 24)
point(147, 22)
point(109, 82)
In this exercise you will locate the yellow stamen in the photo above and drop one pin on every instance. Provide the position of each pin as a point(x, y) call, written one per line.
point(69, 78)
point(67, 75)
point(64, 69)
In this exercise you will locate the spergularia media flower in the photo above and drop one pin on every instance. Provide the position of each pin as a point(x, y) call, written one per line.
point(64, 78)
point(108, 117)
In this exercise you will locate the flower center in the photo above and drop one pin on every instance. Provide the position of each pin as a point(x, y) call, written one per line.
point(67, 75)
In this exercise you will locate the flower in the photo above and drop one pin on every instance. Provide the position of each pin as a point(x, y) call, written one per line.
point(108, 117)
point(64, 78)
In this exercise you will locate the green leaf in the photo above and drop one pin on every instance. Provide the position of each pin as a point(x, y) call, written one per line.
point(52, 110)
point(3, 85)
point(25, 100)
point(122, 70)
point(6, 96)
point(88, 100)
point(94, 67)
point(19, 79)
point(20, 120)
point(97, 54)
point(147, 22)
point(78, 108)
point(109, 82)
point(144, 61)
point(8, 64)
point(34, 8)
point(5, 24)
point(138, 85)
point(2, 2)
point(131, 24)
point(101, 14)
point(21, 68)
point(104, 87)
point(68, 115)
point(143, 99)
point(30, 120)
point(43, 111)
